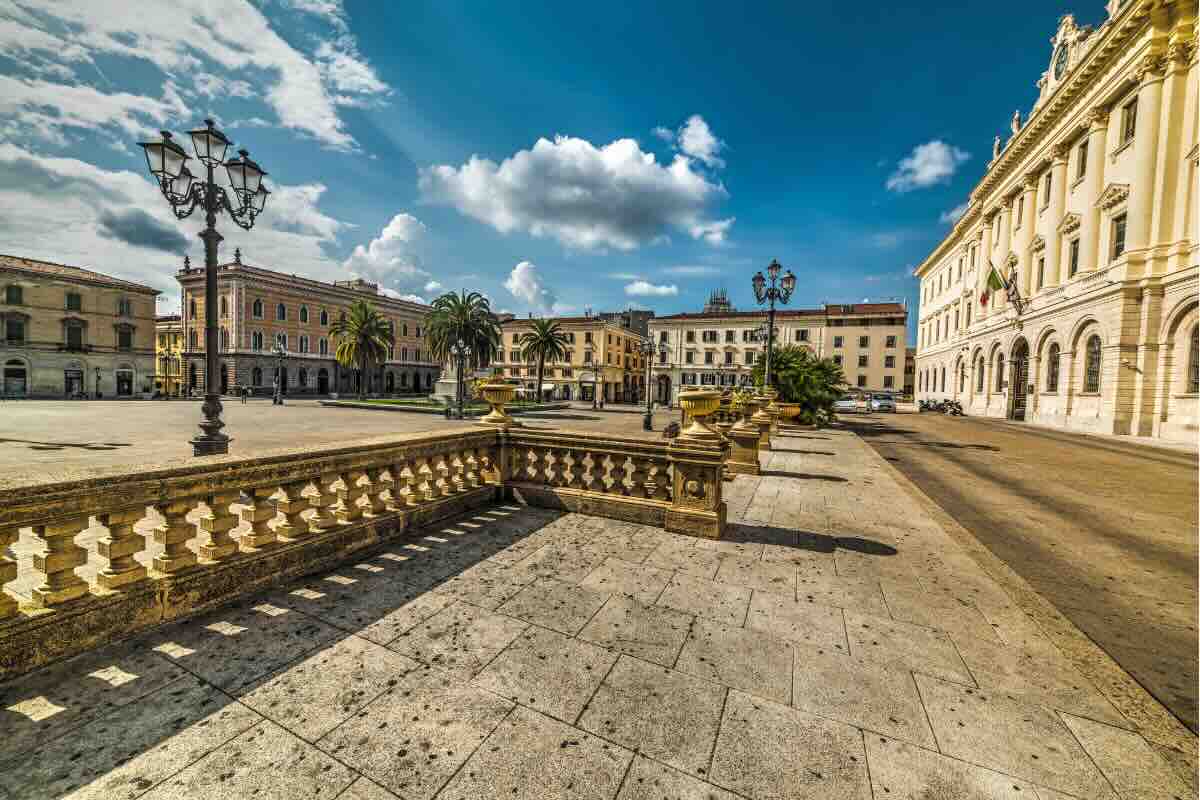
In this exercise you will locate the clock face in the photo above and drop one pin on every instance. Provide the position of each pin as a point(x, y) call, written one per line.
point(1060, 62)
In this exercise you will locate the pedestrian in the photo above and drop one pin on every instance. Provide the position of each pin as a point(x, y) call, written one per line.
point(245, 394)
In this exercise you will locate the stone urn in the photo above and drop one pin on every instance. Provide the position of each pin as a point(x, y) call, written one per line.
point(698, 405)
point(788, 412)
point(498, 394)
point(749, 406)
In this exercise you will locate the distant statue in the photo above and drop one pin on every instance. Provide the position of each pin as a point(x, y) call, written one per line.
point(1016, 122)
point(995, 148)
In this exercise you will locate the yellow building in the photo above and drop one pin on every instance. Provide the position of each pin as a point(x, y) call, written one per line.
point(602, 355)
point(260, 308)
point(1089, 211)
point(72, 332)
point(168, 355)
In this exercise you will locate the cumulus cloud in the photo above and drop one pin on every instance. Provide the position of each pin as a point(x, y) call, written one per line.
point(955, 213)
point(584, 196)
point(928, 164)
point(46, 109)
point(212, 48)
point(664, 133)
point(691, 269)
point(390, 258)
point(697, 140)
point(136, 227)
point(647, 289)
point(524, 283)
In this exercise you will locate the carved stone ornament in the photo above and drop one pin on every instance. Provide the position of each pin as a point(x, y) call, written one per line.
point(1038, 244)
point(1097, 117)
point(1113, 195)
point(1011, 261)
point(1153, 64)
point(1180, 52)
point(1069, 224)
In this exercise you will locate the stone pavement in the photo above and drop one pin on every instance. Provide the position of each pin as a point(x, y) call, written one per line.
point(839, 644)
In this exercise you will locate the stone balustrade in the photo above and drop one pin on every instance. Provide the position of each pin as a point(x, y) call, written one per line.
point(181, 540)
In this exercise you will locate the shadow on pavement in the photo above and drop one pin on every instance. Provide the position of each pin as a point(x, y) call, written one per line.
point(805, 540)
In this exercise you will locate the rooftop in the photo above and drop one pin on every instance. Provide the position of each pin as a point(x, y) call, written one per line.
point(69, 273)
point(828, 310)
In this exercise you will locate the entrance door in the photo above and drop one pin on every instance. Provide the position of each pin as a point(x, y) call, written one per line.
point(1019, 380)
point(323, 381)
point(124, 383)
point(73, 382)
point(14, 379)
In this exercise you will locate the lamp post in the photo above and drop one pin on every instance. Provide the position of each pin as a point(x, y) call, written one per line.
point(647, 351)
point(779, 290)
point(461, 352)
point(279, 354)
point(168, 164)
point(97, 383)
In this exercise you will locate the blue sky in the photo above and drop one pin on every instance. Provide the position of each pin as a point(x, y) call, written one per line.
point(555, 157)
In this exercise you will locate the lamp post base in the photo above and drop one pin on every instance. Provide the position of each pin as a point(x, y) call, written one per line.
point(204, 445)
point(210, 441)
point(647, 422)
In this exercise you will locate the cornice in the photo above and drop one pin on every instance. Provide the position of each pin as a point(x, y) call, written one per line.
point(1038, 244)
point(1069, 223)
point(1113, 195)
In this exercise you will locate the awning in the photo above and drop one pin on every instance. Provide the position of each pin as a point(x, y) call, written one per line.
point(547, 387)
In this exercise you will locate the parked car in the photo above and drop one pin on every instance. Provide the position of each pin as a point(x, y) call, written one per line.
point(847, 404)
point(883, 402)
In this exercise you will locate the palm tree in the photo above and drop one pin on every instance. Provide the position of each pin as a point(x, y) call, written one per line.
point(363, 337)
point(465, 316)
point(545, 342)
point(802, 378)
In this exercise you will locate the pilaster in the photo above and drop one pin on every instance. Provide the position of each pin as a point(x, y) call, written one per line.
point(1093, 185)
point(1055, 271)
point(1141, 205)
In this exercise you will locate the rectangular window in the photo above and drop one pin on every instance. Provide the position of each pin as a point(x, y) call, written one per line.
point(1041, 272)
point(837, 341)
point(587, 356)
point(14, 331)
point(691, 336)
point(888, 381)
point(802, 335)
point(1129, 121)
point(862, 381)
point(891, 341)
point(662, 336)
point(1020, 209)
point(74, 337)
point(125, 339)
point(1073, 258)
point(728, 356)
point(689, 357)
point(837, 360)
point(889, 362)
point(13, 295)
point(1081, 155)
point(74, 302)
point(1118, 236)
point(750, 356)
point(729, 336)
point(864, 341)
point(1046, 189)
point(862, 361)
point(708, 357)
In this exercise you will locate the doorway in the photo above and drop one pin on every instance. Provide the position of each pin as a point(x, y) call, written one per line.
point(124, 383)
point(323, 381)
point(15, 380)
point(1019, 380)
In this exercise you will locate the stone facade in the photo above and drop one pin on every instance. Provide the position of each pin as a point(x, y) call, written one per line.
point(720, 347)
point(600, 349)
point(70, 332)
point(168, 355)
point(1090, 210)
point(260, 307)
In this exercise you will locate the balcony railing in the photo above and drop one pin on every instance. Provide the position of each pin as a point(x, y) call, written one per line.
point(174, 542)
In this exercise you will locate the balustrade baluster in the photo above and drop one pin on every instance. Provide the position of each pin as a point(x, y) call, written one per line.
point(292, 506)
point(575, 471)
point(57, 562)
point(618, 476)
point(441, 471)
point(120, 546)
point(8, 571)
point(324, 502)
point(483, 458)
point(173, 534)
point(641, 471)
point(347, 508)
point(397, 499)
point(215, 542)
point(426, 485)
point(470, 469)
point(597, 484)
point(413, 495)
point(259, 513)
point(376, 486)
point(662, 481)
point(557, 469)
point(457, 462)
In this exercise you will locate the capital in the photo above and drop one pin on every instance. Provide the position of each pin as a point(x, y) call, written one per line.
point(1097, 118)
point(1150, 68)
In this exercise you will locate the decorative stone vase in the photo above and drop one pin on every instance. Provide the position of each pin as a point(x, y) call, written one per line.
point(788, 412)
point(749, 407)
point(698, 405)
point(498, 395)
point(773, 407)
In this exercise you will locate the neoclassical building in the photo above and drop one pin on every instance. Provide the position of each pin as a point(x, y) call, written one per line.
point(72, 332)
point(1089, 208)
point(261, 307)
point(168, 355)
point(720, 345)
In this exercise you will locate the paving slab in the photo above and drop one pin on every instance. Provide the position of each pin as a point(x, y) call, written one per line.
point(683, 555)
point(652, 633)
point(904, 772)
point(533, 757)
point(485, 584)
point(904, 645)
point(667, 715)
point(762, 576)
point(264, 762)
point(414, 737)
point(638, 581)
point(366, 789)
point(461, 638)
point(852, 594)
point(801, 623)
point(548, 671)
point(564, 607)
point(1131, 765)
point(1025, 741)
point(649, 780)
point(768, 750)
point(745, 659)
point(706, 598)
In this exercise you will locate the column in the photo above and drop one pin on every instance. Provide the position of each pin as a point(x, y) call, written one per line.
point(1140, 208)
point(981, 268)
point(1089, 228)
point(1055, 272)
point(1004, 232)
point(1028, 229)
point(1170, 166)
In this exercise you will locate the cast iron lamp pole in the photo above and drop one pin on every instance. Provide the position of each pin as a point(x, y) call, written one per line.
point(279, 354)
point(168, 164)
point(779, 290)
point(461, 353)
point(647, 351)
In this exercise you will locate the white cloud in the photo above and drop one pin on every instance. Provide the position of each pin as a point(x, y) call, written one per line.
point(712, 232)
point(46, 108)
point(691, 269)
point(697, 140)
point(955, 213)
point(524, 283)
point(624, 276)
point(433, 286)
point(647, 289)
point(584, 196)
point(226, 43)
point(390, 258)
point(928, 164)
point(664, 133)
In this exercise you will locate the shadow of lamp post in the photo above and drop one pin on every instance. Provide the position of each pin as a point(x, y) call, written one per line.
point(168, 164)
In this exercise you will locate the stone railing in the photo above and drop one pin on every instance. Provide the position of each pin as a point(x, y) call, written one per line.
point(174, 542)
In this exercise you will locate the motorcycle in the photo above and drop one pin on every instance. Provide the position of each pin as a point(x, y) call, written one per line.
point(953, 408)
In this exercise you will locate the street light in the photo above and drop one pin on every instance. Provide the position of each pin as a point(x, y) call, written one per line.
point(167, 162)
point(279, 354)
point(647, 351)
point(780, 290)
point(461, 352)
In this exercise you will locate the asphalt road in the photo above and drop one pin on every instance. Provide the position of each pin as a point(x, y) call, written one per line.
point(1105, 530)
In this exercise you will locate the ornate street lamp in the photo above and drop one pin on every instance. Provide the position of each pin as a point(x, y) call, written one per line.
point(168, 164)
point(279, 354)
point(778, 290)
point(647, 351)
point(461, 352)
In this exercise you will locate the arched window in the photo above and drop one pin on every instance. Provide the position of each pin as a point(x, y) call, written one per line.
point(1052, 353)
point(281, 340)
point(256, 340)
point(999, 372)
point(404, 329)
point(979, 375)
point(962, 378)
point(256, 376)
point(324, 346)
point(404, 354)
point(257, 309)
point(304, 313)
point(324, 317)
point(224, 306)
point(1193, 373)
point(192, 308)
point(1091, 365)
point(303, 344)
point(280, 312)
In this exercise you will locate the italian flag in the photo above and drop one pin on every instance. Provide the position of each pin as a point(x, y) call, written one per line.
point(995, 282)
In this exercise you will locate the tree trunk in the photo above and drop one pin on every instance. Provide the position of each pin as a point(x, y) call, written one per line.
point(541, 371)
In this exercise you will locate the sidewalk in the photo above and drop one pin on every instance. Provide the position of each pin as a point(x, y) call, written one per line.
point(839, 644)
